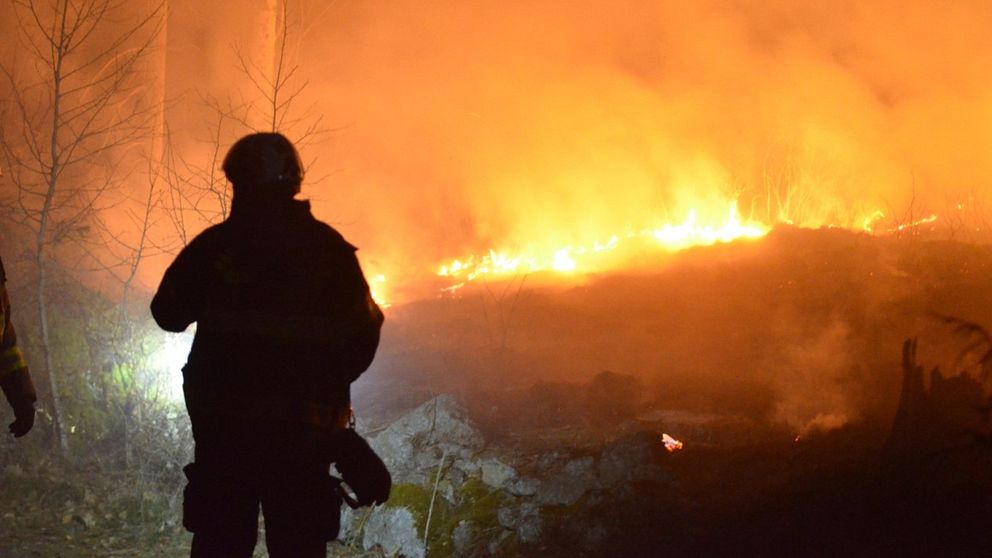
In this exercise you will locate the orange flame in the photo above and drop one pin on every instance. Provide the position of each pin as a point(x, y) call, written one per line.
point(377, 285)
point(703, 226)
point(671, 444)
point(693, 231)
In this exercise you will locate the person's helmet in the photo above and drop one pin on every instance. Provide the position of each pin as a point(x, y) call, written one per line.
point(264, 164)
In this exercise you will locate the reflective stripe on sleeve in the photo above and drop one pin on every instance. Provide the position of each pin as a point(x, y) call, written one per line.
point(12, 360)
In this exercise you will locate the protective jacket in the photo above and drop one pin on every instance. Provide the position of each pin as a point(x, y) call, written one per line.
point(15, 380)
point(285, 320)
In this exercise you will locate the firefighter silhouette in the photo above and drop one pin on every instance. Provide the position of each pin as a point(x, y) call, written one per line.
point(15, 380)
point(284, 323)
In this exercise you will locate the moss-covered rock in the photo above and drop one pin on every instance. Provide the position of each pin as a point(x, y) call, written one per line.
point(474, 514)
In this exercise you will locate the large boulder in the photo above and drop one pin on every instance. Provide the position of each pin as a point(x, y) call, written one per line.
point(413, 446)
point(439, 461)
point(438, 437)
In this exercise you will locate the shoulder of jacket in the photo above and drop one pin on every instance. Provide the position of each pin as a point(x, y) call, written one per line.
point(204, 247)
point(334, 239)
point(209, 237)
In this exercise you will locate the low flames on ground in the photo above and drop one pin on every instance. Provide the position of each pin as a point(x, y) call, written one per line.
point(692, 231)
point(700, 227)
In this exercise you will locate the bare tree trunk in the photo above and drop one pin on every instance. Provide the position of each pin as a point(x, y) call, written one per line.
point(128, 445)
point(161, 76)
point(46, 351)
point(42, 237)
point(67, 124)
point(269, 38)
point(270, 53)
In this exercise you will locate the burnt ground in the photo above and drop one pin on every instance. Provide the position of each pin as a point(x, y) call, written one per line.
point(830, 495)
point(744, 488)
point(802, 323)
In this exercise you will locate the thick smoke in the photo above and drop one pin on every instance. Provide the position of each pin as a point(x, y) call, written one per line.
point(808, 380)
point(456, 127)
point(501, 124)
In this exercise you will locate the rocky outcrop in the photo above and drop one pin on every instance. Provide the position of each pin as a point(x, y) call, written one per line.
point(475, 500)
point(393, 529)
point(414, 445)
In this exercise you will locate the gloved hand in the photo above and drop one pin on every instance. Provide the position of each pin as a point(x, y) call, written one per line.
point(23, 421)
point(362, 470)
point(19, 391)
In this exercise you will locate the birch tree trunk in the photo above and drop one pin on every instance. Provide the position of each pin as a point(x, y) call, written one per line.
point(63, 133)
point(271, 23)
point(55, 170)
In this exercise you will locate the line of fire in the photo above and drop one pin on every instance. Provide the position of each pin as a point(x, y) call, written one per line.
point(658, 278)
